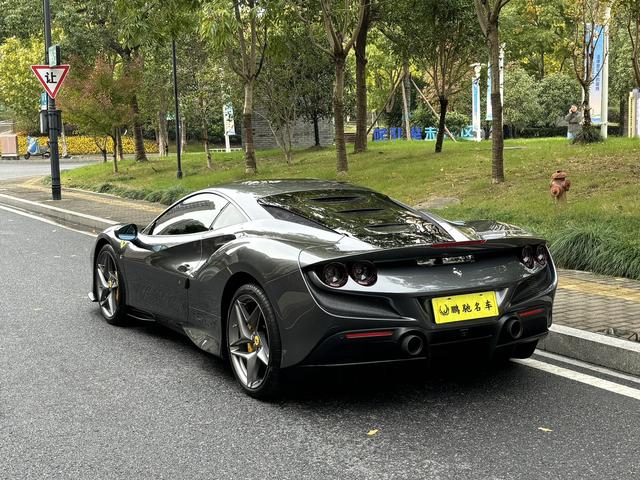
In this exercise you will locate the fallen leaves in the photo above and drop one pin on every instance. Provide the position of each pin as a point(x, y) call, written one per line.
point(372, 432)
point(544, 429)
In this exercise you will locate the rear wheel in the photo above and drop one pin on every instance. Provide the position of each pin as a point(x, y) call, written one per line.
point(253, 342)
point(109, 286)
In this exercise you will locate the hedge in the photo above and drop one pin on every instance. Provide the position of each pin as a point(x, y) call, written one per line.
point(83, 145)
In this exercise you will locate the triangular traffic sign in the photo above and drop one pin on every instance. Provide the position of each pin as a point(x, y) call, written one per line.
point(51, 78)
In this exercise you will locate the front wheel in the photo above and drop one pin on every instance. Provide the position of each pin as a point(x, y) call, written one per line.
point(253, 342)
point(27, 156)
point(109, 286)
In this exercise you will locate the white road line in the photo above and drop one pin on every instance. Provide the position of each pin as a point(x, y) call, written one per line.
point(588, 366)
point(45, 220)
point(581, 377)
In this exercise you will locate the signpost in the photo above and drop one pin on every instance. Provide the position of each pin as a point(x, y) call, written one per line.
point(51, 78)
point(475, 95)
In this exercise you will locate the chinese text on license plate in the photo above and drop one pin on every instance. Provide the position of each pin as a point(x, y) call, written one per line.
point(471, 306)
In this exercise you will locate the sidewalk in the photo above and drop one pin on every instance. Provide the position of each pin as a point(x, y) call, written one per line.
point(584, 301)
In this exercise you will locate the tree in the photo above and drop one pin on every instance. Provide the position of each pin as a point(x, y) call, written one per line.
point(19, 88)
point(556, 93)
point(590, 18)
point(360, 49)
point(631, 11)
point(488, 13)
point(97, 100)
point(450, 30)
point(342, 26)
point(315, 84)
point(521, 99)
point(240, 28)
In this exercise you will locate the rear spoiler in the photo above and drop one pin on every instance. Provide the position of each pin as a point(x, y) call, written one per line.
point(314, 255)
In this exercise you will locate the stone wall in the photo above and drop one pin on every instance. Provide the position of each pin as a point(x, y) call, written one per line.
point(302, 136)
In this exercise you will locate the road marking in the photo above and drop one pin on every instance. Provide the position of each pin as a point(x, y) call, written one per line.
point(588, 366)
point(581, 377)
point(613, 291)
point(45, 220)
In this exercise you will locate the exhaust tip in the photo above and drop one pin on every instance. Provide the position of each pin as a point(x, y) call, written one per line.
point(514, 328)
point(412, 345)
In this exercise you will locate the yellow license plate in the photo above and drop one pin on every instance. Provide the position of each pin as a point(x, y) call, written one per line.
point(458, 308)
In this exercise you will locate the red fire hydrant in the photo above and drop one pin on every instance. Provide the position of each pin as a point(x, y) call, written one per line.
point(560, 185)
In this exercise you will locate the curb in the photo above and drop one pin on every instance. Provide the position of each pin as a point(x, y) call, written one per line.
point(595, 348)
point(76, 218)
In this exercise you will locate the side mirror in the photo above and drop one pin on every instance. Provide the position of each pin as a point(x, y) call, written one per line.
point(128, 233)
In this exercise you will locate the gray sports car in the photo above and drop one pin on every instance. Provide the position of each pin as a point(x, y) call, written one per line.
point(282, 273)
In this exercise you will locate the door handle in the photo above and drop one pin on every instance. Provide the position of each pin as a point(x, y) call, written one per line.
point(184, 268)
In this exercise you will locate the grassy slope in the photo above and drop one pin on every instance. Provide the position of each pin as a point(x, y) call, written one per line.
point(598, 230)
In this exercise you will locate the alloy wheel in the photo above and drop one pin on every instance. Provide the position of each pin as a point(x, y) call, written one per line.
point(107, 282)
point(248, 339)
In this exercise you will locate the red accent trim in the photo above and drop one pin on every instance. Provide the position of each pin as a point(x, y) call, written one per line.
point(379, 333)
point(530, 313)
point(458, 244)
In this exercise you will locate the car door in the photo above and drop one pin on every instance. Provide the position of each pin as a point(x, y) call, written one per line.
point(159, 267)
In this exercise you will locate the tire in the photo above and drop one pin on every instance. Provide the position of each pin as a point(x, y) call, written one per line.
point(108, 284)
point(525, 350)
point(27, 156)
point(253, 343)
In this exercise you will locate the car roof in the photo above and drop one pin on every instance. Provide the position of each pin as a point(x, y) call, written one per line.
point(264, 188)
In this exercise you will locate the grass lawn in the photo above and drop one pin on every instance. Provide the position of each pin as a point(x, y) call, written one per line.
point(598, 229)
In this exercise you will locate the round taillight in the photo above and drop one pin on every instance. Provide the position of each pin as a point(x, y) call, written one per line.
point(334, 274)
point(541, 255)
point(526, 257)
point(364, 273)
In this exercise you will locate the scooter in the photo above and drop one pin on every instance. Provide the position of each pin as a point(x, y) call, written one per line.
point(34, 148)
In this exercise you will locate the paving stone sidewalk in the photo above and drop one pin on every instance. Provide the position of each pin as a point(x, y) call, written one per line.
point(585, 301)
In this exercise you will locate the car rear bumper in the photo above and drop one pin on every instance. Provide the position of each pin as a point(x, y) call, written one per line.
point(394, 343)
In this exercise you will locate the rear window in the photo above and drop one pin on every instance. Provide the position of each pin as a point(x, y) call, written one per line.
point(363, 214)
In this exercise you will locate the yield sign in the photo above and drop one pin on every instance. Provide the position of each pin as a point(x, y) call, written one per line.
point(51, 78)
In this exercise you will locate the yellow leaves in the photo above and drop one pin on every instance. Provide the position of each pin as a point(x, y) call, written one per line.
point(373, 432)
point(544, 429)
point(85, 145)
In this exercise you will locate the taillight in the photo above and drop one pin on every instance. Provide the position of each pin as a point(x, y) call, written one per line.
point(364, 273)
point(334, 274)
point(526, 257)
point(541, 255)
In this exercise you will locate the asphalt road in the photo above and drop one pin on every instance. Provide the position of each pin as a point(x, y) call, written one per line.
point(12, 169)
point(82, 399)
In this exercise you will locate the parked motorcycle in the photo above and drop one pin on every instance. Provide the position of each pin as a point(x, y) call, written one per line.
point(34, 148)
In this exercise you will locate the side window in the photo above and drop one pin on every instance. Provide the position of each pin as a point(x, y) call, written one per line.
point(193, 215)
point(229, 216)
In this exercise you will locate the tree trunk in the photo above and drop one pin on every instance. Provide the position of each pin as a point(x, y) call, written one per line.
point(497, 136)
point(163, 133)
point(205, 130)
point(250, 166)
point(120, 146)
point(114, 141)
point(360, 49)
point(183, 135)
point(406, 98)
point(338, 113)
point(586, 109)
point(444, 102)
point(116, 149)
point(316, 131)
point(141, 155)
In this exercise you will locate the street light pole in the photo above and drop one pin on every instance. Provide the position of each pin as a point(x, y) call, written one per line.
point(177, 105)
point(56, 189)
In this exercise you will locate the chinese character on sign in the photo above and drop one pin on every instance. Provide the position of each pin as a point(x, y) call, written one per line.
point(477, 307)
point(455, 309)
point(466, 308)
point(488, 305)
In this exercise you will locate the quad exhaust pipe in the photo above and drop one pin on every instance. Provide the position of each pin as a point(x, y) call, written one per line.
point(412, 344)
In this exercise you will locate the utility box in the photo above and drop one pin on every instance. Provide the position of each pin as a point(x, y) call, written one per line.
point(9, 145)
